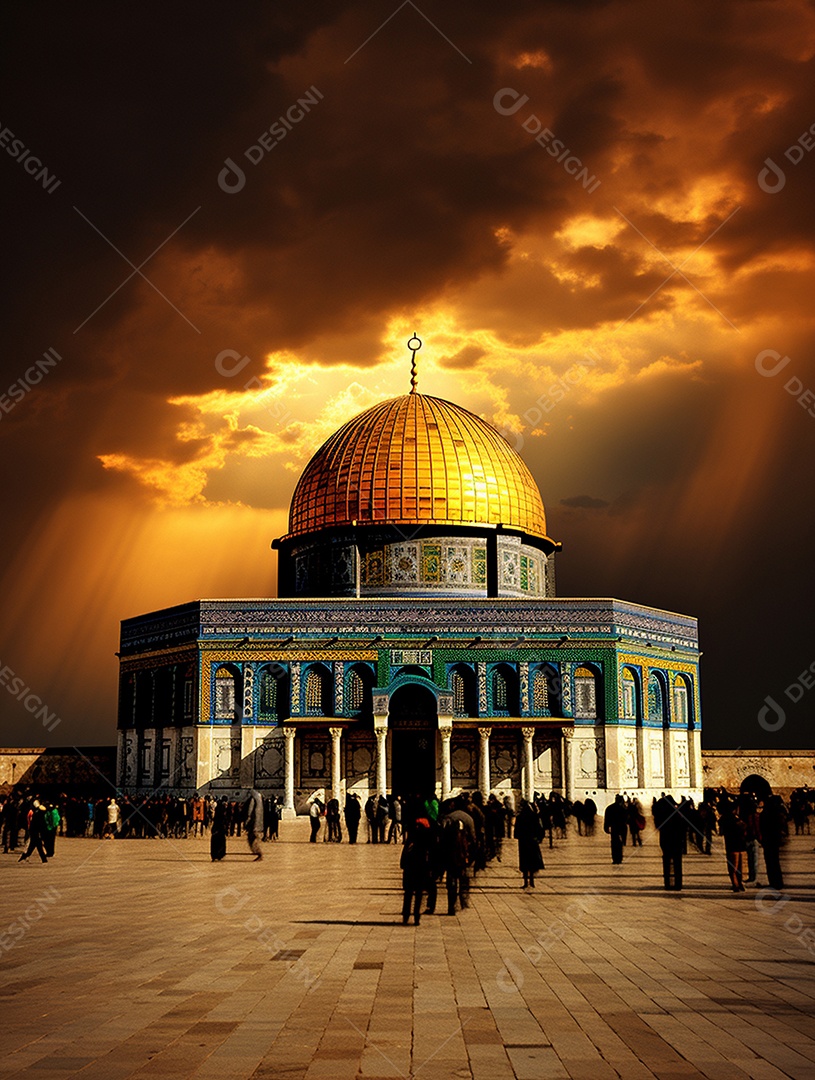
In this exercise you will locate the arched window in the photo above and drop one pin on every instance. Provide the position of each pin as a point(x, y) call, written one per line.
point(273, 693)
point(358, 691)
point(629, 680)
point(585, 694)
point(682, 701)
point(465, 691)
point(657, 711)
point(354, 691)
point(546, 691)
point(226, 694)
point(505, 698)
point(540, 691)
point(318, 692)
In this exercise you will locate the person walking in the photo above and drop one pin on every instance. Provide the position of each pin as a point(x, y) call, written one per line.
point(217, 836)
point(454, 853)
point(353, 812)
point(370, 817)
point(36, 832)
point(332, 817)
point(416, 869)
point(734, 834)
point(272, 819)
point(615, 823)
point(253, 820)
point(528, 833)
point(748, 812)
point(381, 818)
point(773, 830)
point(315, 812)
point(52, 819)
point(113, 819)
point(672, 831)
point(395, 819)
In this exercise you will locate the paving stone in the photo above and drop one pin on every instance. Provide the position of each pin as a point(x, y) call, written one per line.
point(157, 963)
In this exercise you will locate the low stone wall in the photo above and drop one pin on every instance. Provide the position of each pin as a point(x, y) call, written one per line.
point(84, 768)
point(784, 770)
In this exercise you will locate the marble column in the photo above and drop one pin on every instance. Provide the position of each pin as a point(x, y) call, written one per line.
point(643, 765)
point(381, 760)
point(289, 734)
point(484, 761)
point(446, 764)
point(567, 772)
point(336, 762)
point(528, 779)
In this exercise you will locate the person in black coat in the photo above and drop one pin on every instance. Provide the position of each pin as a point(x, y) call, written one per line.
point(353, 812)
point(615, 823)
point(672, 826)
point(416, 869)
point(253, 818)
point(528, 833)
point(217, 836)
point(36, 833)
point(773, 831)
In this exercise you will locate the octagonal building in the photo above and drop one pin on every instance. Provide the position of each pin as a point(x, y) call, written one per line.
point(417, 644)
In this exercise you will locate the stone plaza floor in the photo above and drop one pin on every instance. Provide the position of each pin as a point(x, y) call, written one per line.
point(142, 958)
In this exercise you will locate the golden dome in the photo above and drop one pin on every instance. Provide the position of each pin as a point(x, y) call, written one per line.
point(412, 461)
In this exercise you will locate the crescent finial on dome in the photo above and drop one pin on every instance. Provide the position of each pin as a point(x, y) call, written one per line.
point(414, 379)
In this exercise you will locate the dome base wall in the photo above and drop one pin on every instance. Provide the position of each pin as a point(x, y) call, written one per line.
point(422, 562)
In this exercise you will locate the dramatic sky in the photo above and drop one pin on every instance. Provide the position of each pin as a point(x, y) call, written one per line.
point(666, 293)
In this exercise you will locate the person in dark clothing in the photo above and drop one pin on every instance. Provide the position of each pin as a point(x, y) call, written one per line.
point(315, 817)
point(615, 823)
point(381, 819)
point(415, 864)
point(36, 833)
point(528, 833)
point(353, 812)
point(457, 837)
point(272, 819)
point(707, 823)
point(370, 817)
point(332, 817)
point(773, 830)
point(11, 825)
point(217, 837)
point(254, 823)
point(734, 834)
point(672, 832)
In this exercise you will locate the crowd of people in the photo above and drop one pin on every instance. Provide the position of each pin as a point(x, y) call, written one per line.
point(747, 823)
point(125, 817)
point(453, 840)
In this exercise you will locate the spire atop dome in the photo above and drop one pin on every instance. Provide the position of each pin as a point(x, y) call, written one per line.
point(414, 378)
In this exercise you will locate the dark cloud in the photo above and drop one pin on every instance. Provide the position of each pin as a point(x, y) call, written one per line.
point(395, 191)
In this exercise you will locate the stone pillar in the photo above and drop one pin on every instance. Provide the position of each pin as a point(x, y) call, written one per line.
point(484, 761)
point(381, 760)
point(567, 772)
point(667, 753)
point(288, 811)
point(695, 758)
point(247, 767)
point(643, 765)
point(446, 764)
point(336, 763)
point(527, 775)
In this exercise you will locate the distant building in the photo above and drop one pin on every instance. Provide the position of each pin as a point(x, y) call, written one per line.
point(417, 644)
point(56, 770)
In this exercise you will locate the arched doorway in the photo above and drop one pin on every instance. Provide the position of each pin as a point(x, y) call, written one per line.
point(757, 785)
point(413, 720)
